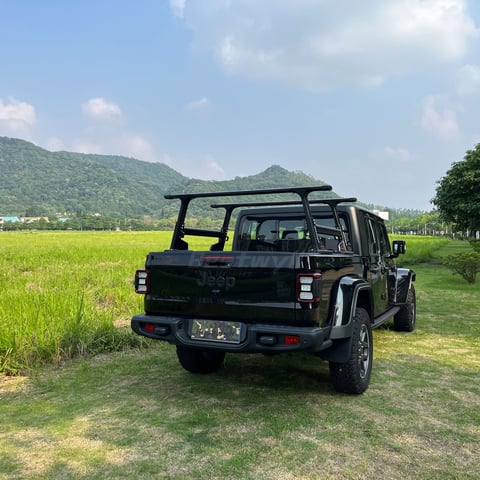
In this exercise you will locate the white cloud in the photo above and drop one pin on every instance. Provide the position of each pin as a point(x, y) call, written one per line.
point(117, 143)
point(54, 144)
point(398, 154)
point(197, 104)
point(16, 117)
point(177, 6)
point(136, 146)
point(205, 168)
point(323, 45)
point(168, 160)
point(440, 27)
point(101, 109)
point(468, 80)
point(213, 170)
point(107, 138)
point(85, 146)
point(439, 119)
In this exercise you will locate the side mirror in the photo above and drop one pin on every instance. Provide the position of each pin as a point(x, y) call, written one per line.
point(399, 247)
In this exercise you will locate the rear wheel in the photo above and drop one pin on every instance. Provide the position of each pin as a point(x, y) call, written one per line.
point(353, 376)
point(200, 361)
point(406, 318)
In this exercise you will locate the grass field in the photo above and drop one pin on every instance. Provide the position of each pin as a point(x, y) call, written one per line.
point(63, 294)
point(135, 413)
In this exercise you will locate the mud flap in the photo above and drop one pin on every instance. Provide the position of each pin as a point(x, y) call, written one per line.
point(339, 352)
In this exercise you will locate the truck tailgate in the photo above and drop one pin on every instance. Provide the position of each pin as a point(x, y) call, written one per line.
point(241, 286)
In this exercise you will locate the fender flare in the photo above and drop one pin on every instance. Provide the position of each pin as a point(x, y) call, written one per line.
point(403, 280)
point(347, 295)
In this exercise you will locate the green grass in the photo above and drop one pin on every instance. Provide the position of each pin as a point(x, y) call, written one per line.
point(421, 249)
point(66, 293)
point(138, 414)
point(63, 294)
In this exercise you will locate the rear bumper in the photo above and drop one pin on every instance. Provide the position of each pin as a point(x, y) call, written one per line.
point(259, 338)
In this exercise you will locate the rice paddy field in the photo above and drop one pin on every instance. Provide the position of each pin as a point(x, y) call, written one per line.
point(68, 293)
point(83, 397)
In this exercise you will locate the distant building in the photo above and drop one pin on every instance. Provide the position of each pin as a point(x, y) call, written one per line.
point(9, 219)
point(384, 215)
point(33, 219)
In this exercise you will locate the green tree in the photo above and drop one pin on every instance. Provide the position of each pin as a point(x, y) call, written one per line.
point(458, 192)
point(429, 223)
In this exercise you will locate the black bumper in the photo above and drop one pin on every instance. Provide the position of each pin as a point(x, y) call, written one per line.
point(259, 338)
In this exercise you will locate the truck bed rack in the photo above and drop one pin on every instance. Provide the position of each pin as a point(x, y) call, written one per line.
point(303, 192)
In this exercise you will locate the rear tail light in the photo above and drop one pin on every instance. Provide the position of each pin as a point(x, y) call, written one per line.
point(308, 287)
point(292, 339)
point(149, 327)
point(142, 281)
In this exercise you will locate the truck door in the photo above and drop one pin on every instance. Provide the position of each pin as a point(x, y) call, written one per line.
point(376, 264)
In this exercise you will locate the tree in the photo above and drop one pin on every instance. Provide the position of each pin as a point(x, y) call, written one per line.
point(458, 192)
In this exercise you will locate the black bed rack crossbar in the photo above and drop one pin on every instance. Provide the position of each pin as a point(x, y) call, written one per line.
point(325, 201)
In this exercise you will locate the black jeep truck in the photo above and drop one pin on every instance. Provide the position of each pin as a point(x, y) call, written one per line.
point(302, 275)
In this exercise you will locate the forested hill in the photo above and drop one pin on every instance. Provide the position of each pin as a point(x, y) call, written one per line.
point(34, 181)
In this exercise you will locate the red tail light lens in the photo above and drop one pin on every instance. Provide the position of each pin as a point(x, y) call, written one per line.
point(149, 327)
point(292, 339)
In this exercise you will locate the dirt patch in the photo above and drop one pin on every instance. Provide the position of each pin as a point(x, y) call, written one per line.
point(10, 384)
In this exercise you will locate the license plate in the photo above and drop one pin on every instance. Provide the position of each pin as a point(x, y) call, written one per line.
point(216, 331)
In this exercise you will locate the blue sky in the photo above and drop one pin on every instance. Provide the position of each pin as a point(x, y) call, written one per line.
point(377, 98)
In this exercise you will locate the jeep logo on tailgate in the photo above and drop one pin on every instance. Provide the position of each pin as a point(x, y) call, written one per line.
point(213, 280)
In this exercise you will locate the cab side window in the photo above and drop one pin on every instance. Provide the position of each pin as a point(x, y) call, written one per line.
point(373, 244)
point(383, 239)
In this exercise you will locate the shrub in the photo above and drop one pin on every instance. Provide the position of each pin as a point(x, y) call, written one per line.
point(475, 245)
point(466, 264)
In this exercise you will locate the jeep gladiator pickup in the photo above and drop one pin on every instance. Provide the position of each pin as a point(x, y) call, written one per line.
point(304, 275)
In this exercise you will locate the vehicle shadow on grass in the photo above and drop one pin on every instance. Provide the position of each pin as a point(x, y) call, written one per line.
point(288, 373)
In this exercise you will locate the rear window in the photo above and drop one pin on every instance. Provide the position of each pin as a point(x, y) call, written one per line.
point(289, 234)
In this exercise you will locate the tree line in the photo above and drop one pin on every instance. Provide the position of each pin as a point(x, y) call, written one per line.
point(420, 224)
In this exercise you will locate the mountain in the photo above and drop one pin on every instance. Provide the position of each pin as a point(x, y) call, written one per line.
point(35, 181)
